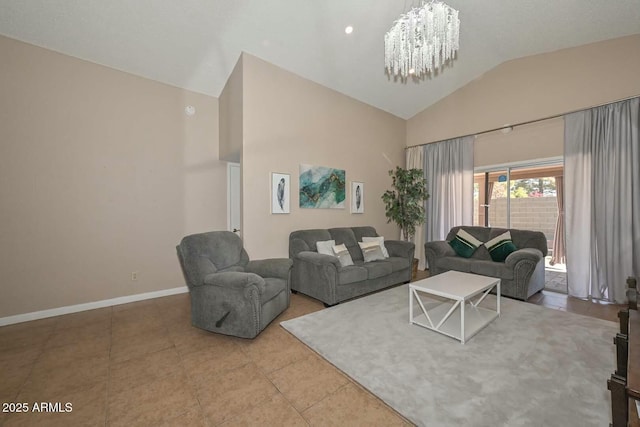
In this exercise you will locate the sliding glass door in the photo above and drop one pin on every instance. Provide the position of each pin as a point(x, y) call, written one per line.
point(490, 208)
point(522, 196)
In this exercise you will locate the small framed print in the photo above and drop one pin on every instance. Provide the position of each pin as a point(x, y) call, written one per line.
point(357, 197)
point(280, 193)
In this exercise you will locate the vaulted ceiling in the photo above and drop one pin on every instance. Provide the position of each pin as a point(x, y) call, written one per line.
point(194, 44)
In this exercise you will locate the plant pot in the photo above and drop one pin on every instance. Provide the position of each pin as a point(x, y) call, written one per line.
point(414, 269)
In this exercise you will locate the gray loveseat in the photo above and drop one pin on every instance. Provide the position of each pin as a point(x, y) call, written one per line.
point(323, 277)
point(522, 273)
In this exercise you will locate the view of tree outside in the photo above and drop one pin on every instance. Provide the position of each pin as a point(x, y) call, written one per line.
point(527, 201)
point(534, 187)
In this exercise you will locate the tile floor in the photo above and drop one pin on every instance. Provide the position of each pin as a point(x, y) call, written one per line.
point(144, 364)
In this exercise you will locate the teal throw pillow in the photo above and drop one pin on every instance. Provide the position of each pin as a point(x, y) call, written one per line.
point(500, 247)
point(464, 244)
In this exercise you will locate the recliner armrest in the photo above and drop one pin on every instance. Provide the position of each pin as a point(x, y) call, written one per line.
point(273, 267)
point(523, 254)
point(400, 248)
point(234, 280)
point(318, 259)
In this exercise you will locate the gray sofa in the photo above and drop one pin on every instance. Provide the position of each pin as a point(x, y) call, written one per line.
point(323, 277)
point(230, 294)
point(522, 273)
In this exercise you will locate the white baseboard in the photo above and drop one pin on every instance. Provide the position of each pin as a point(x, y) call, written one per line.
point(19, 318)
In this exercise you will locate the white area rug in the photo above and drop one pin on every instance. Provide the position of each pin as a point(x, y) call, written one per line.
point(533, 366)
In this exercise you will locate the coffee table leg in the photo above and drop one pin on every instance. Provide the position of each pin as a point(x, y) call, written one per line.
point(410, 305)
point(498, 298)
point(462, 321)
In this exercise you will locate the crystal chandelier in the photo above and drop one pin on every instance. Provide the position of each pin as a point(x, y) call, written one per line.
point(422, 40)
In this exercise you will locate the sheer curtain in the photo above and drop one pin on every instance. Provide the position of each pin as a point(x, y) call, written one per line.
point(602, 199)
point(448, 168)
point(415, 160)
point(559, 256)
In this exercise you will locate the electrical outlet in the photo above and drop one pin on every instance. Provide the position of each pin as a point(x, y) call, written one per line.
point(134, 276)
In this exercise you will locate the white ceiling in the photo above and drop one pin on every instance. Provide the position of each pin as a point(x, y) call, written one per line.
point(194, 44)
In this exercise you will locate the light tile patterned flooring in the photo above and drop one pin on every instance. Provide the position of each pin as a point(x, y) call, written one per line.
point(144, 364)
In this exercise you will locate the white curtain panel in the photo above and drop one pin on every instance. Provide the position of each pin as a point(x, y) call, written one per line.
point(602, 200)
point(415, 160)
point(448, 168)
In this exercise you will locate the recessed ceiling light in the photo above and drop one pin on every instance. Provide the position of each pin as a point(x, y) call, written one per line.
point(348, 29)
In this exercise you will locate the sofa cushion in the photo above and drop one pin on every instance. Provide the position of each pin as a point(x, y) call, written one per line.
point(491, 269)
point(377, 269)
point(345, 235)
point(371, 251)
point(342, 253)
point(398, 263)
point(361, 232)
point(481, 233)
point(455, 263)
point(464, 244)
point(305, 240)
point(380, 240)
point(500, 247)
point(351, 274)
point(325, 247)
point(530, 239)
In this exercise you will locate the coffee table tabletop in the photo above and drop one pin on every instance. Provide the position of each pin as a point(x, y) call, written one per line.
point(455, 284)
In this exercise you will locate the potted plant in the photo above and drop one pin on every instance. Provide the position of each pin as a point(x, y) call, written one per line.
point(404, 204)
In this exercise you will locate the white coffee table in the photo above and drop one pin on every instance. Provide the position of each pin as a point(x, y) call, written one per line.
point(454, 313)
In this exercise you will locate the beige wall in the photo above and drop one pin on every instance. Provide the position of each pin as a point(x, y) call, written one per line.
point(531, 88)
point(288, 121)
point(101, 174)
point(231, 116)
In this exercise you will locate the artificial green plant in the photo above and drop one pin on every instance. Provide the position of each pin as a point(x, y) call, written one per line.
point(404, 204)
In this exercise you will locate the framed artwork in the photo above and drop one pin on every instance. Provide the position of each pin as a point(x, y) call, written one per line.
point(322, 187)
point(357, 197)
point(280, 193)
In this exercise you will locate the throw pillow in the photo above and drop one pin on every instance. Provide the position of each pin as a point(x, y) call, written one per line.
point(343, 255)
point(371, 251)
point(464, 244)
point(500, 247)
point(380, 241)
point(326, 247)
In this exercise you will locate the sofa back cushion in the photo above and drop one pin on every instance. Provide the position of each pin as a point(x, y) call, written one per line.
point(481, 233)
point(361, 232)
point(521, 238)
point(346, 236)
point(529, 239)
point(305, 240)
point(205, 253)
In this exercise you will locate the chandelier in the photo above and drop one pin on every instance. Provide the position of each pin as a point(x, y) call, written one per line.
point(422, 40)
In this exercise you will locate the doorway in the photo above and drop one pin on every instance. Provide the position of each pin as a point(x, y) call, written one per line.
point(233, 197)
point(523, 196)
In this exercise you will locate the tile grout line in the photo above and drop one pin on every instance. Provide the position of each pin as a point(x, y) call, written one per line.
point(35, 361)
point(106, 402)
point(192, 386)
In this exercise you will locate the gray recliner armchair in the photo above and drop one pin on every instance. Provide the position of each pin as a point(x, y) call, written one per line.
point(230, 294)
